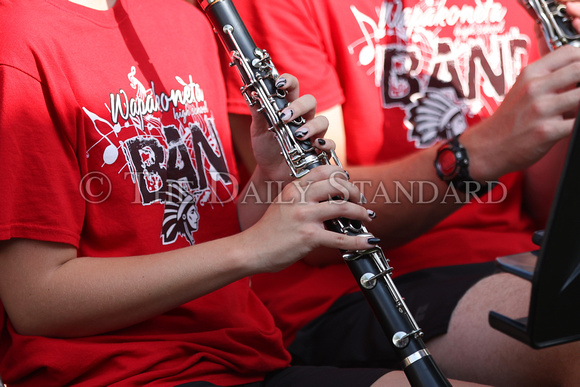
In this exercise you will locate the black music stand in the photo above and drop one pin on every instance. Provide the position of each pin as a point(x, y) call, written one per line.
point(554, 269)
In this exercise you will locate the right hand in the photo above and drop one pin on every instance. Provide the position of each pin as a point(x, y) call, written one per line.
point(293, 224)
point(537, 112)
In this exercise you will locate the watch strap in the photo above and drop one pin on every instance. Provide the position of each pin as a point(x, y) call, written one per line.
point(458, 173)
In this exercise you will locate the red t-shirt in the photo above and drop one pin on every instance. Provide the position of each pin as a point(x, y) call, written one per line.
point(408, 75)
point(115, 140)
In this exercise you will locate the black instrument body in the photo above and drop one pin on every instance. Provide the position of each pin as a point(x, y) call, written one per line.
point(554, 21)
point(369, 267)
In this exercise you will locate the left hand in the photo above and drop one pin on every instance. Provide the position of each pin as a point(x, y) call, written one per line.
point(266, 148)
point(538, 111)
point(573, 10)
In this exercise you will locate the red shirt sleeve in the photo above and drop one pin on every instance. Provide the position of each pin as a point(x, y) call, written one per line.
point(41, 179)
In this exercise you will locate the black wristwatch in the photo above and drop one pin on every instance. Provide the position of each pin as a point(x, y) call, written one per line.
point(452, 166)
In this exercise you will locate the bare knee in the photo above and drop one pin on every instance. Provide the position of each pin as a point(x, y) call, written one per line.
point(503, 293)
point(473, 350)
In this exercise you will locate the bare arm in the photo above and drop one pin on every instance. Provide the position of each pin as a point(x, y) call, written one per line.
point(401, 220)
point(48, 290)
point(531, 120)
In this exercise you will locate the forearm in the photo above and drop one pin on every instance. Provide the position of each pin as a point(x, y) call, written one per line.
point(407, 196)
point(257, 195)
point(46, 290)
point(51, 296)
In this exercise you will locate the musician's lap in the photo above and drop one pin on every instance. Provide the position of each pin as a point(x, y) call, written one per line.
point(451, 305)
point(472, 346)
point(348, 334)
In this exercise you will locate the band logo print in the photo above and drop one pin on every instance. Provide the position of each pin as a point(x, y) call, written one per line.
point(175, 160)
point(440, 81)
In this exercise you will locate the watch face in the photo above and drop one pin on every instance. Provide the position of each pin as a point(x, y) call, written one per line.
point(447, 163)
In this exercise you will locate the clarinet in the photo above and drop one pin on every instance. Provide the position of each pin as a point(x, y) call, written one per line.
point(369, 267)
point(554, 22)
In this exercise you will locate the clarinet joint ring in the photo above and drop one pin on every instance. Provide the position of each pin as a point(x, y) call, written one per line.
point(415, 357)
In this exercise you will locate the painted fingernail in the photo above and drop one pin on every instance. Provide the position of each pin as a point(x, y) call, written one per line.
point(374, 241)
point(300, 133)
point(281, 82)
point(321, 141)
point(286, 114)
point(372, 214)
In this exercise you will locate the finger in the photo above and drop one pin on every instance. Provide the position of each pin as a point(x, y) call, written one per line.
point(557, 129)
point(346, 242)
point(556, 103)
point(305, 107)
point(323, 172)
point(328, 146)
point(567, 101)
point(288, 83)
point(316, 127)
point(564, 77)
point(336, 189)
point(562, 57)
point(570, 99)
point(324, 144)
point(328, 210)
point(576, 24)
point(573, 9)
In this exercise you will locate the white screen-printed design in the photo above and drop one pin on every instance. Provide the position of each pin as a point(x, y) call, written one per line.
point(416, 66)
point(168, 144)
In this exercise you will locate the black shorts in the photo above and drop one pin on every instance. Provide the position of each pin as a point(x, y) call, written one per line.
point(304, 376)
point(348, 334)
